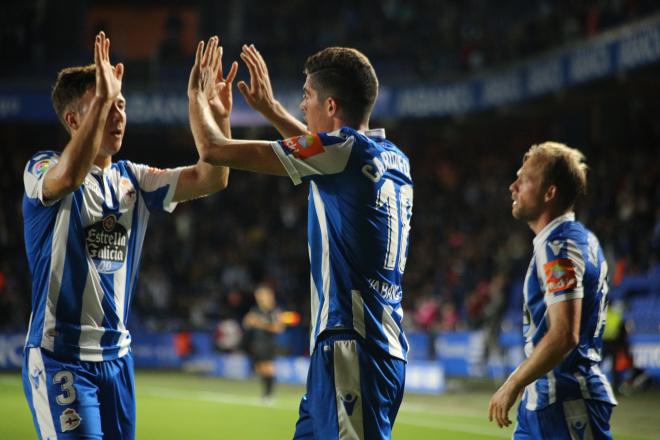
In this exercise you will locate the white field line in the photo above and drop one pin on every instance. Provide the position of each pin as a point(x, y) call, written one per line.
point(288, 404)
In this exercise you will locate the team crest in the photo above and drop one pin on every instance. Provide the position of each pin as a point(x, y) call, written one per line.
point(69, 420)
point(305, 146)
point(560, 275)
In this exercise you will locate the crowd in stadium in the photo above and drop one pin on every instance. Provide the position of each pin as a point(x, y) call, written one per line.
point(467, 254)
point(407, 41)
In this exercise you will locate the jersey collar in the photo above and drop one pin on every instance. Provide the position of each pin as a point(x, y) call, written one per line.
point(375, 133)
point(543, 235)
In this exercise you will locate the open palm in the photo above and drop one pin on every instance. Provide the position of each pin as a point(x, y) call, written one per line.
point(219, 92)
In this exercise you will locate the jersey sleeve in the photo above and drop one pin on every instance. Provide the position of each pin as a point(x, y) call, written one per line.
point(157, 186)
point(314, 154)
point(563, 271)
point(33, 177)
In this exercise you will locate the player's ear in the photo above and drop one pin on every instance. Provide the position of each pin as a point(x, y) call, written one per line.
point(72, 120)
point(331, 106)
point(550, 193)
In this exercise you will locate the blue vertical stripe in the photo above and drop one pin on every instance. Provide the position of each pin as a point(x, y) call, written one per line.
point(38, 235)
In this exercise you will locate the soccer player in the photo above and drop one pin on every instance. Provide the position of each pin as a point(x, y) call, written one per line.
point(566, 396)
point(360, 206)
point(85, 221)
point(262, 323)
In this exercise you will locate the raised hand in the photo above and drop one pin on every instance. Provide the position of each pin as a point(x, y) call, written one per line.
point(108, 78)
point(219, 92)
point(259, 94)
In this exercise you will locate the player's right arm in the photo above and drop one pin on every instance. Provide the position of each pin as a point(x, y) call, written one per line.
point(213, 145)
point(78, 156)
point(259, 95)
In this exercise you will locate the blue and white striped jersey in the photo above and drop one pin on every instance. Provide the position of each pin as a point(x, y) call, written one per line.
point(568, 263)
point(360, 206)
point(84, 251)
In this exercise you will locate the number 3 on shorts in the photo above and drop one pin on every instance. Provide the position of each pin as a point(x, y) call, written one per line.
point(68, 395)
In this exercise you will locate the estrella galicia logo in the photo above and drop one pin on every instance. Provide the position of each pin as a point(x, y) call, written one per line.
point(349, 401)
point(578, 427)
point(106, 244)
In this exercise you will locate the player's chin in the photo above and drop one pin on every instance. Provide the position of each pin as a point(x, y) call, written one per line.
point(113, 145)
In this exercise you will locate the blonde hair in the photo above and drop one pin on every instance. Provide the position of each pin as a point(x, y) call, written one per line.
point(563, 167)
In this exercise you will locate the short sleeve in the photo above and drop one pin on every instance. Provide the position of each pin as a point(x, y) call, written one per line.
point(33, 177)
point(157, 186)
point(563, 271)
point(314, 154)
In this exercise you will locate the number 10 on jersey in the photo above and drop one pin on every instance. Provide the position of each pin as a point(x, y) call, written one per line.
point(399, 213)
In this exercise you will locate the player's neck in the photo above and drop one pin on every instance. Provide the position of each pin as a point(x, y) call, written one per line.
point(339, 123)
point(544, 219)
point(103, 161)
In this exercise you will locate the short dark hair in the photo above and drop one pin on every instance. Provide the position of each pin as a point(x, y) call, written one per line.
point(70, 86)
point(563, 167)
point(347, 76)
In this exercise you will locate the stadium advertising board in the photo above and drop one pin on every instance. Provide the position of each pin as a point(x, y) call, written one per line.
point(610, 53)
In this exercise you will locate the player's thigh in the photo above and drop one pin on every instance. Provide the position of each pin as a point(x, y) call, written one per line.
point(305, 424)
point(382, 380)
point(352, 394)
point(117, 397)
point(62, 397)
point(573, 419)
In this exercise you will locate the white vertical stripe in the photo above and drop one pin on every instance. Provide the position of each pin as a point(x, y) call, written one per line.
point(314, 306)
point(358, 313)
point(319, 206)
point(91, 312)
point(91, 317)
point(120, 285)
point(584, 389)
point(532, 397)
point(348, 390)
point(392, 332)
point(577, 419)
point(606, 383)
point(37, 377)
point(552, 388)
point(57, 257)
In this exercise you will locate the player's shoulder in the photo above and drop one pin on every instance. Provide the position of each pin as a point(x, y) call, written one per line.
point(40, 162)
point(571, 230)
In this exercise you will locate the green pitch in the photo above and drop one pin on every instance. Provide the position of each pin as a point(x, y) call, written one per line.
point(180, 406)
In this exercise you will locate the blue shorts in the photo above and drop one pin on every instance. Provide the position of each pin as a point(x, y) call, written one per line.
point(352, 392)
point(571, 419)
point(80, 400)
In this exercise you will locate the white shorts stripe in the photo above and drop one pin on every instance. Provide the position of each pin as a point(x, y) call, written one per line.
point(348, 390)
point(39, 387)
point(577, 419)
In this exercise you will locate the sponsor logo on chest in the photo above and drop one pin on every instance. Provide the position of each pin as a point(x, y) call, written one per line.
point(106, 244)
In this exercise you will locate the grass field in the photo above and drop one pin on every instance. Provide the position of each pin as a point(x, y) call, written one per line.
point(179, 406)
